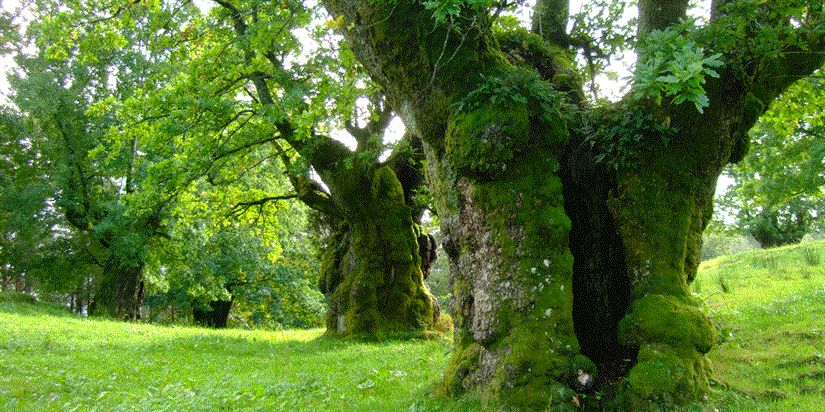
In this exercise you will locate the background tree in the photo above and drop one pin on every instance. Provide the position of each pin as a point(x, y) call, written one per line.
point(31, 242)
point(777, 193)
point(574, 229)
point(244, 88)
point(255, 261)
point(60, 87)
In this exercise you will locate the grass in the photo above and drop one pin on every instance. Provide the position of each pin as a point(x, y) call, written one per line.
point(772, 319)
point(58, 362)
point(767, 304)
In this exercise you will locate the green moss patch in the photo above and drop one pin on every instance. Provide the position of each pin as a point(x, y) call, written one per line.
point(481, 143)
point(664, 377)
point(666, 319)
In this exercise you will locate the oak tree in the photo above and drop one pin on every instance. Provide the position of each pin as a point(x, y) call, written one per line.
point(574, 231)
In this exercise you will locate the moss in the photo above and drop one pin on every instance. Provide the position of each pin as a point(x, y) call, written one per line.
point(664, 377)
point(481, 143)
point(584, 363)
point(660, 210)
point(667, 319)
point(373, 267)
point(499, 171)
point(464, 361)
point(540, 344)
point(330, 275)
point(528, 50)
point(655, 212)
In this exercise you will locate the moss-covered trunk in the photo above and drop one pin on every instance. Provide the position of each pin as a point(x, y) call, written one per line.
point(121, 290)
point(656, 212)
point(512, 274)
point(372, 271)
point(554, 252)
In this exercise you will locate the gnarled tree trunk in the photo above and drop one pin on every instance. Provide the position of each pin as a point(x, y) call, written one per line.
point(372, 271)
point(556, 260)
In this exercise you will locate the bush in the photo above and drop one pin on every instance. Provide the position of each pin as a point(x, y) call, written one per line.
point(17, 297)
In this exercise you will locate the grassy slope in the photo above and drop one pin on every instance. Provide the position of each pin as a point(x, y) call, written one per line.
point(773, 318)
point(51, 361)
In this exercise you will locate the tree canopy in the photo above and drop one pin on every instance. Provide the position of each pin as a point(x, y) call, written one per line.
point(777, 192)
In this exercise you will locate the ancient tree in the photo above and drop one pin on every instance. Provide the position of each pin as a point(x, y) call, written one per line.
point(573, 232)
point(259, 97)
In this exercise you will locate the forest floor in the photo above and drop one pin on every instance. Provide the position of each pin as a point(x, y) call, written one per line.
point(769, 305)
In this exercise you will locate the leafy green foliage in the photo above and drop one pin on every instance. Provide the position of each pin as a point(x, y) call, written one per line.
point(671, 65)
point(514, 86)
point(624, 136)
point(450, 10)
point(607, 30)
point(777, 194)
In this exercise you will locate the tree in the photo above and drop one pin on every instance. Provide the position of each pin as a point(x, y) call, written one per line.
point(27, 222)
point(240, 88)
point(231, 83)
point(96, 183)
point(252, 261)
point(776, 196)
point(574, 231)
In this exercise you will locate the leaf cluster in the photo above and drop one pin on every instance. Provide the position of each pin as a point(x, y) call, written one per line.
point(624, 137)
point(672, 65)
point(450, 10)
point(519, 86)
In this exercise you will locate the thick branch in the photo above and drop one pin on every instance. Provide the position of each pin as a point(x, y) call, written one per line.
point(308, 191)
point(377, 123)
point(660, 14)
point(242, 207)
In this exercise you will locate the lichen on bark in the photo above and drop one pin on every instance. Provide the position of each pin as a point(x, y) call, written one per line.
point(503, 213)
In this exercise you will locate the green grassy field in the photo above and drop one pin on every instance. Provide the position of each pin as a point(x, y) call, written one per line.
point(770, 307)
point(768, 304)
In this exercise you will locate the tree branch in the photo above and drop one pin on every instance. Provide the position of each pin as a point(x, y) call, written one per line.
point(660, 14)
point(377, 123)
point(242, 207)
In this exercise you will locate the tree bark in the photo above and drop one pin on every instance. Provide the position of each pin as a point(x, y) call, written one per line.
point(217, 315)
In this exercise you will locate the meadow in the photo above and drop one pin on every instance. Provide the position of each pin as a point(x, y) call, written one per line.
point(768, 305)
